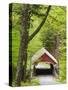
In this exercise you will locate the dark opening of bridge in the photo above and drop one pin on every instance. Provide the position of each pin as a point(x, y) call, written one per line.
point(43, 71)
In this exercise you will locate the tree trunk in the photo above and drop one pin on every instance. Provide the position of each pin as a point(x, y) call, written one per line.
point(57, 54)
point(22, 59)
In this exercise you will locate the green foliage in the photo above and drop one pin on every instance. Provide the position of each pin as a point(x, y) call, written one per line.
point(16, 28)
point(55, 25)
point(62, 65)
point(15, 50)
point(48, 39)
point(33, 82)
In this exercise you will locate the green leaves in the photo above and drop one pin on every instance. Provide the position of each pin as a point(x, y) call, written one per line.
point(55, 26)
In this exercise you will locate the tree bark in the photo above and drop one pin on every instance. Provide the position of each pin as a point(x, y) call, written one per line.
point(22, 59)
point(41, 24)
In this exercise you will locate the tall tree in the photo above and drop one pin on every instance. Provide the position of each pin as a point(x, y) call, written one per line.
point(51, 41)
point(22, 59)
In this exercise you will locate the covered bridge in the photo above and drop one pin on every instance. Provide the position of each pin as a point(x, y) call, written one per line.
point(44, 56)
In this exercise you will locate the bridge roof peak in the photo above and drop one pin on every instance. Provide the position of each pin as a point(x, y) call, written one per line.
point(40, 53)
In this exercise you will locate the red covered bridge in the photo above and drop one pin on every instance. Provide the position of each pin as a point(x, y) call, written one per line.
point(44, 56)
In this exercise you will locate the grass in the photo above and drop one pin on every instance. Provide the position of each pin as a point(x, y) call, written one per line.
point(33, 82)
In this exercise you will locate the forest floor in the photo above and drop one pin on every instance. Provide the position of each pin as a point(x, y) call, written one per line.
point(47, 80)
